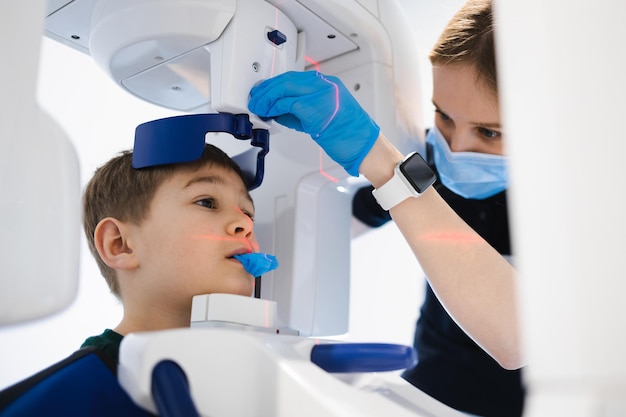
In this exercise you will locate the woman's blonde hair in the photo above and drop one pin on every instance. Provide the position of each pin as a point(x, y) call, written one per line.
point(468, 39)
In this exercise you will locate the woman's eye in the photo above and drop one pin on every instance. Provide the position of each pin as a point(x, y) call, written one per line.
point(444, 117)
point(209, 203)
point(488, 133)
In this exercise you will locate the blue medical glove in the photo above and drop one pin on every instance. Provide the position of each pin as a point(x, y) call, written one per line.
point(256, 263)
point(321, 106)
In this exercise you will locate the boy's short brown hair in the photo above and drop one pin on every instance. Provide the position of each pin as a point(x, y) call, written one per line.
point(118, 190)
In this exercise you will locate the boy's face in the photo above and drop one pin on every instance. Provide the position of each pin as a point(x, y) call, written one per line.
point(467, 113)
point(197, 221)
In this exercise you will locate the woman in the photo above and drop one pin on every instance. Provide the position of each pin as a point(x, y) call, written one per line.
point(466, 146)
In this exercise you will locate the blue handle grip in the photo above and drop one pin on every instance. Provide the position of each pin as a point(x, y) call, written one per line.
point(171, 391)
point(362, 357)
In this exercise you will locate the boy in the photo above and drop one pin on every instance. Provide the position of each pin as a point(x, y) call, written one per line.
point(160, 235)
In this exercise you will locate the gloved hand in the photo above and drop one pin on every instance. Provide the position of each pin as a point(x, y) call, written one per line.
point(321, 106)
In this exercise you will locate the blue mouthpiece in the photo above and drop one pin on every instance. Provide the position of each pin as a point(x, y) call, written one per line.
point(257, 264)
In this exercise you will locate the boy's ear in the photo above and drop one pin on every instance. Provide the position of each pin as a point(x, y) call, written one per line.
point(111, 239)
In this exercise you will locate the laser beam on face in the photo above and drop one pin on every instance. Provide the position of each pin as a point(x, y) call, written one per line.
point(252, 247)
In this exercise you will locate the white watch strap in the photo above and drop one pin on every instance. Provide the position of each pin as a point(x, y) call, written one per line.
point(392, 193)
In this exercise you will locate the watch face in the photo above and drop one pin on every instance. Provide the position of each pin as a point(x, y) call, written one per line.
point(418, 173)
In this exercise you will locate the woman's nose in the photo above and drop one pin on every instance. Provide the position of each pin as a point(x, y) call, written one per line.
point(459, 141)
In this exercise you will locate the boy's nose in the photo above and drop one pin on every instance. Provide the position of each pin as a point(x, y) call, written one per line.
point(241, 224)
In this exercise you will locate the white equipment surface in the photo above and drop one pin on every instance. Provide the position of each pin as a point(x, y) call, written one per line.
point(240, 370)
point(39, 182)
point(563, 108)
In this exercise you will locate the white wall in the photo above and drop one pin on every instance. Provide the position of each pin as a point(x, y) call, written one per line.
point(100, 119)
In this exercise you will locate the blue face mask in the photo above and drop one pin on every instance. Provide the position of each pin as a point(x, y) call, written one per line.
point(468, 174)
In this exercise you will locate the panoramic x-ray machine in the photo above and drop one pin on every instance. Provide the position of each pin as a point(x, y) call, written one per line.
point(562, 107)
point(242, 356)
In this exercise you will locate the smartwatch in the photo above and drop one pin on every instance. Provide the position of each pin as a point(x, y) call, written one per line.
point(411, 177)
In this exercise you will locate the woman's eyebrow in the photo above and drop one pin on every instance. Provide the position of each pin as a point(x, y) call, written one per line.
point(489, 125)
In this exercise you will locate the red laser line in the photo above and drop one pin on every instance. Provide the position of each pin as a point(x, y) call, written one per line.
point(451, 236)
point(313, 62)
point(324, 173)
point(252, 247)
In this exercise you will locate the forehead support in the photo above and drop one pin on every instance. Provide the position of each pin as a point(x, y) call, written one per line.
point(181, 139)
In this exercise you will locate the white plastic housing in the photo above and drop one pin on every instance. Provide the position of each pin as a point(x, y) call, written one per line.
point(231, 308)
point(311, 239)
point(234, 373)
point(39, 182)
point(200, 56)
point(188, 55)
point(563, 83)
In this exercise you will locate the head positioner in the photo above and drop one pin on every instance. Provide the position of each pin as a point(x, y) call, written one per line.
point(205, 56)
point(181, 139)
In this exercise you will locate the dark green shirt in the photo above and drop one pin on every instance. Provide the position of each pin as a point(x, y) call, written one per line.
point(108, 342)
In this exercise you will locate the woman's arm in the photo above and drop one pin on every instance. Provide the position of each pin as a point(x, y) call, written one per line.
point(472, 280)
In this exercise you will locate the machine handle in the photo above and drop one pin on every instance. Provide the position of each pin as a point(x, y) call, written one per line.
point(362, 357)
point(170, 391)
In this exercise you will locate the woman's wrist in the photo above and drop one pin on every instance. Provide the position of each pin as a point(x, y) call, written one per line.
point(379, 164)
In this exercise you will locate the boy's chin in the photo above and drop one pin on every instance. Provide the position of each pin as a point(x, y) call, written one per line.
point(241, 284)
point(246, 289)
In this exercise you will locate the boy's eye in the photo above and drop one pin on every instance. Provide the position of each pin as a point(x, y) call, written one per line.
point(248, 213)
point(209, 203)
